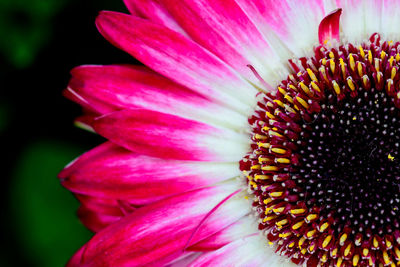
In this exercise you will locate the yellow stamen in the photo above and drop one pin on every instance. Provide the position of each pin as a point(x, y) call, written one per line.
point(336, 87)
point(302, 102)
point(297, 225)
point(278, 150)
point(352, 62)
point(312, 75)
point(362, 53)
point(356, 259)
point(326, 241)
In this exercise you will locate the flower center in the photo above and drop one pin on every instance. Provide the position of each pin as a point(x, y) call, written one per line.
point(324, 169)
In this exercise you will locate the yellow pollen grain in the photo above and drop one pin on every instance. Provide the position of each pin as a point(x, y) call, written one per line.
point(332, 65)
point(356, 259)
point(291, 86)
point(303, 251)
point(312, 75)
point(370, 56)
point(386, 258)
point(311, 233)
point(305, 88)
point(267, 201)
point(276, 194)
point(279, 210)
point(281, 90)
point(397, 57)
point(270, 243)
point(279, 103)
point(383, 55)
point(362, 53)
point(354, 118)
point(390, 157)
point(360, 69)
point(269, 168)
point(311, 248)
point(301, 241)
point(311, 217)
point(351, 84)
point(336, 87)
point(285, 235)
point(302, 102)
point(323, 227)
point(331, 55)
point(260, 137)
point(339, 262)
point(278, 150)
point(343, 238)
point(262, 177)
point(292, 244)
point(324, 257)
point(347, 250)
point(334, 252)
point(397, 252)
point(282, 222)
point(323, 62)
point(270, 115)
point(315, 87)
point(297, 211)
point(289, 98)
point(297, 225)
point(282, 160)
point(388, 243)
point(375, 242)
point(256, 167)
point(352, 62)
point(326, 241)
point(393, 73)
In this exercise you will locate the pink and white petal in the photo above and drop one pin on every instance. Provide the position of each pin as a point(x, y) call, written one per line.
point(112, 172)
point(178, 58)
point(153, 10)
point(390, 19)
point(246, 252)
point(360, 19)
point(223, 28)
point(170, 137)
point(294, 22)
point(160, 231)
point(110, 88)
point(242, 228)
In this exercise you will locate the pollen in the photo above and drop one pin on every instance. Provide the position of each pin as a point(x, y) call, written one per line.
point(323, 166)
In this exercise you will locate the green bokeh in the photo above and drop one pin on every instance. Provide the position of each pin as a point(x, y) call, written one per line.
point(47, 227)
point(25, 26)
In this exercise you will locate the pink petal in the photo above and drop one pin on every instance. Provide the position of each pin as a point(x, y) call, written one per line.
point(223, 28)
point(153, 10)
point(178, 58)
point(246, 226)
point(329, 27)
point(104, 89)
point(112, 172)
point(170, 137)
point(159, 232)
point(293, 22)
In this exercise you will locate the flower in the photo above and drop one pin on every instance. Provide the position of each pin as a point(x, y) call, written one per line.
point(261, 133)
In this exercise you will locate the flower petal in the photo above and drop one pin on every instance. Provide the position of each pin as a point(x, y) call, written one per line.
point(112, 172)
point(109, 88)
point(294, 22)
point(160, 231)
point(170, 137)
point(153, 10)
point(246, 226)
point(328, 29)
point(223, 28)
point(178, 58)
point(248, 251)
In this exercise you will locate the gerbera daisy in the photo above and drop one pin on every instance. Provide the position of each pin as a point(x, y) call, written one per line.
point(260, 133)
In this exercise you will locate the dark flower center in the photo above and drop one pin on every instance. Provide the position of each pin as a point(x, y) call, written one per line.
point(324, 168)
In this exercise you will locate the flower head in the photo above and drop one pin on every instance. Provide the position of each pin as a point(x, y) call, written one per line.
point(261, 133)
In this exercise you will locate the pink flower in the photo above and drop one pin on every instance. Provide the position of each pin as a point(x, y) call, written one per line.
point(260, 133)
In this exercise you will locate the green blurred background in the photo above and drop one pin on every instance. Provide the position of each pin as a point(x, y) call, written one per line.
point(40, 41)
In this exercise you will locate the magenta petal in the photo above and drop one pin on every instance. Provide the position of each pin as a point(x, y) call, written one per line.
point(329, 28)
point(177, 57)
point(223, 28)
point(104, 89)
point(159, 232)
point(153, 10)
point(113, 172)
point(170, 137)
